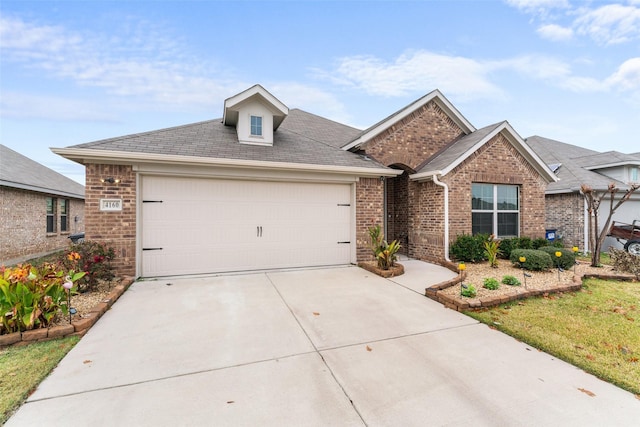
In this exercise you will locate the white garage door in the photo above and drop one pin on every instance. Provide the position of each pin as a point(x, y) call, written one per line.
point(197, 225)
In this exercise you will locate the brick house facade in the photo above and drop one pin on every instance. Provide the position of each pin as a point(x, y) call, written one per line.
point(411, 173)
point(39, 208)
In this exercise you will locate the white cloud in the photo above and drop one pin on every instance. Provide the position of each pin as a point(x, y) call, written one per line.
point(610, 24)
point(141, 62)
point(310, 99)
point(418, 71)
point(626, 77)
point(555, 32)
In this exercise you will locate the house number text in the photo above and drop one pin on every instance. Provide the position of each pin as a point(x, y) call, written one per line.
point(110, 204)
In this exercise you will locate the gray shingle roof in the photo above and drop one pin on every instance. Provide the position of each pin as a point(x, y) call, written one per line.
point(302, 138)
point(18, 171)
point(572, 173)
point(457, 148)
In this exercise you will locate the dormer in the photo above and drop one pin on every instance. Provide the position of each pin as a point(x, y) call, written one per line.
point(256, 114)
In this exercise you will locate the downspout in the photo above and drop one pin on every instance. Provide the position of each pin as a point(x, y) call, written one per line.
point(446, 216)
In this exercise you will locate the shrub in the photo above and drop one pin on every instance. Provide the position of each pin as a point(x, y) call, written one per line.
point(492, 250)
point(511, 280)
point(469, 248)
point(525, 243)
point(538, 243)
point(490, 283)
point(94, 259)
point(468, 291)
point(535, 260)
point(385, 253)
point(508, 245)
point(566, 260)
point(31, 297)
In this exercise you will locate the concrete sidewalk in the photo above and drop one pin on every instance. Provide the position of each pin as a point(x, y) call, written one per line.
point(336, 347)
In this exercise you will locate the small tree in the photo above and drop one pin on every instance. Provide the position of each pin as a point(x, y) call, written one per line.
point(593, 199)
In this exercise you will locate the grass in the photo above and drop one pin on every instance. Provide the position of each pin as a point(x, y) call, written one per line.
point(595, 329)
point(22, 368)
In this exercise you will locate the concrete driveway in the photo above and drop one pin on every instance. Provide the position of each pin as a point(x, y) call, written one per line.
point(326, 347)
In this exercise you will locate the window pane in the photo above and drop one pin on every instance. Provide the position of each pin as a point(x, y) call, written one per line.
point(64, 207)
point(507, 197)
point(49, 205)
point(256, 125)
point(50, 228)
point(507, 225)
point(481, 223)
point(482, 196)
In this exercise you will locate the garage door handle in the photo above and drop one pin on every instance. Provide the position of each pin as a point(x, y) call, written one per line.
point(343, 243)
point(151, 249)
point(259, 231)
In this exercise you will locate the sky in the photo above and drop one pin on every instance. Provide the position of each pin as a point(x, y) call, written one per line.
point(79, 71)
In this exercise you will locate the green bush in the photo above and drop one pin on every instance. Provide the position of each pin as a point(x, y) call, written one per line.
point(385, 253)
point(539, 242)
point(508, 245)
point(535, 260)
point(490, 283)
point(525, 243)
point(469, 248)
point(468, 291)
point(94, 259)
point(566, 260)
point(511, 280)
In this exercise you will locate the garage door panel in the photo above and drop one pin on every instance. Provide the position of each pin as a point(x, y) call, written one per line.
point(208, 225)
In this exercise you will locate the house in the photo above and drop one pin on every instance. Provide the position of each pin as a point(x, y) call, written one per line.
point(40, 208)
point(268, 187)
point(565, 206)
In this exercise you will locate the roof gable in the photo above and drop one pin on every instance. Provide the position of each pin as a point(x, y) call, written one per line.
point(435, 96)
point(255, 93)
point(458, 151)
point(18, 171)
point(571, 173)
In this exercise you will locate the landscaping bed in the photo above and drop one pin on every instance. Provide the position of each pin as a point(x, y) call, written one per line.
point(539, 283)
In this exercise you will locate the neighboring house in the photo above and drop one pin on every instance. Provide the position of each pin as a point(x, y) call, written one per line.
point(574, 166)
point(39, 208)
point(268, 187)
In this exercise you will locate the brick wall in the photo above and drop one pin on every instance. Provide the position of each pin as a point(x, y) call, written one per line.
point(565, 213)
point(497, 162)
point(369, 212)
point(415, 138)
point(117, 229)
point(23, 229)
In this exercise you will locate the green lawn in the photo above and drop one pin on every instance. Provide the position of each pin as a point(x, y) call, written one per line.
point(22, 368)
point(596, 329)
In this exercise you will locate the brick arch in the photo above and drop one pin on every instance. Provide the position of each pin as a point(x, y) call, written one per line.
point(397, 206)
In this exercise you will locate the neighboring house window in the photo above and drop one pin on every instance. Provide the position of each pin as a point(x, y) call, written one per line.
point(64, 215)
point(633, 175)
point(51, 214)
point(495, 209)
point(256, 126)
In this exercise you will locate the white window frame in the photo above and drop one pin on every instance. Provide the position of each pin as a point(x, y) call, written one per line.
point(259, 127)
point(51, 215)
point(634, 171)
point(495, 211)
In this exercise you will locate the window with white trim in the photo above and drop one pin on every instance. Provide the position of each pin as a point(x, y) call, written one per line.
point(51, 214)
point(256, 126)
point(633, 175)
point(64, 215)
point(495, 209)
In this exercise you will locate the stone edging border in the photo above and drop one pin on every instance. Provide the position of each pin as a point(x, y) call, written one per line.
point(461, 303)
point(77, 327)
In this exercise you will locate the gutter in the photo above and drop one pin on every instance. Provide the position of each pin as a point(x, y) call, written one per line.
point(446, 216)
point(81, 156)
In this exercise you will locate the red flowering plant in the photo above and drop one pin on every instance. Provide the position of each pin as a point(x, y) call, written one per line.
point(31, 297)
point(94, 259)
